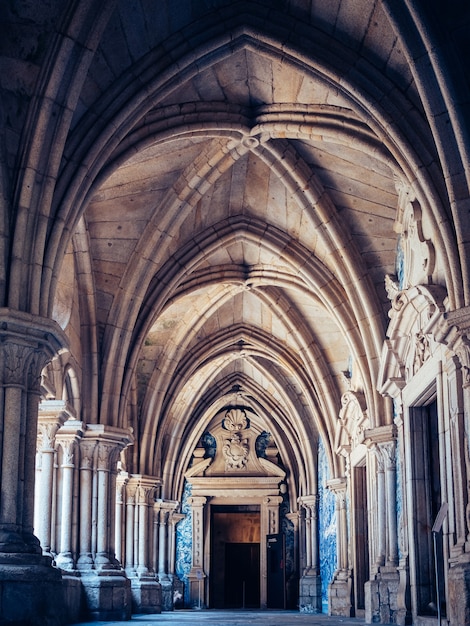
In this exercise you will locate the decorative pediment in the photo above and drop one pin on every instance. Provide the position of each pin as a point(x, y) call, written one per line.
point(413, 335)
point(235, 450)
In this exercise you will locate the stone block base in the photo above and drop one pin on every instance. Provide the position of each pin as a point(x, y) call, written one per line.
point(167, 594)
point(107, 596)
point(146, 595)
point(30, 595)
point(310, 600)
point(339, 595)
point(384, 601)
point(458, 607)
point(72, 587)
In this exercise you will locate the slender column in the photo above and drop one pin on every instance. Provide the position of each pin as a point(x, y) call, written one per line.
point(173, 521)
point(47, 429)
point(121, 483)
point(131, 491)
point(162, 548)
point(381, 509)
point(310, 504)
point(389, 452)
point(308, 539)
point(145, 493)
point(106, 453)
point(67, 438)
point(87, 448)
point(338, 487)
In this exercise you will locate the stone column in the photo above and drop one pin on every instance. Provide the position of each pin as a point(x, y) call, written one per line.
point(164, 511)
point(310, 600)
point(107, 590)
point(121, 483)
point(340, 589)
point(27, 342)
point(67, 438)
point(196, 575)
point(384, 597)
point(390, 465)
point(381, 508)
point(177, 584)
point(146, 591)
point(51, 417)
point(85, 559)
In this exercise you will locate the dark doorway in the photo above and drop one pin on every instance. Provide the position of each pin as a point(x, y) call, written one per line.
point(276, 572)
point(242, 572)
point(361, 543)
point(426, 504)
point(235, 557)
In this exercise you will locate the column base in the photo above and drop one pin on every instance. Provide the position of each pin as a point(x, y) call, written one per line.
point(196, 582)
point(458, 605)
point(146, 594)
point(31, 592)
point(339, 594)
point(167, 594)
point(107, 595)
point(382, 599)
point(310, 600)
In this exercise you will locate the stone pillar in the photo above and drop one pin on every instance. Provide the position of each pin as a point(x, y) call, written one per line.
point(146, 591)
point(310, 600)
point(51, 417)
point(390, 466)
point(177, 585)
point(85, 559)
point(458, 600)
point(120, 525)
point(164, 510)
point(30, 588)
point(381, 509)
point(67, 438)
point(196, 575)
point(107, 590)
point(339, 590)
point(384, 598)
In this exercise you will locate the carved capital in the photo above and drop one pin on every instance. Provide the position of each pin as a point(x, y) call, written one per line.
point(27, 343)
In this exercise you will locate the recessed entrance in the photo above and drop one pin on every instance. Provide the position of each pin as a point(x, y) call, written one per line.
point(235, 557)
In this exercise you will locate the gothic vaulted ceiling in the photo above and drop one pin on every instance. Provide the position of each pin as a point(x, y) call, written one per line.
point(226, 181)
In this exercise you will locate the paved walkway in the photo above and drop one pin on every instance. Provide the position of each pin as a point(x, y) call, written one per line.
point(234, 618)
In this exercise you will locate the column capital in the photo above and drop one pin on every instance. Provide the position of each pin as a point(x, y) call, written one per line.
point(197, 501)
point(309, 501)
point(108, 442)
point(27, 343)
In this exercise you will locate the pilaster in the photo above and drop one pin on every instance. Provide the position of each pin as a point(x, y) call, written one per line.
point(340, 589)
point(197, 575)
point(310, 597)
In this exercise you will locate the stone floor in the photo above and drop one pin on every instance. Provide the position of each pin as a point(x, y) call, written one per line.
point(234, 618)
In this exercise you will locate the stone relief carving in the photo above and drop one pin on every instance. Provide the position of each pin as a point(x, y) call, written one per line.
point(418, 252)
point(235, 419)
point(236, 451)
